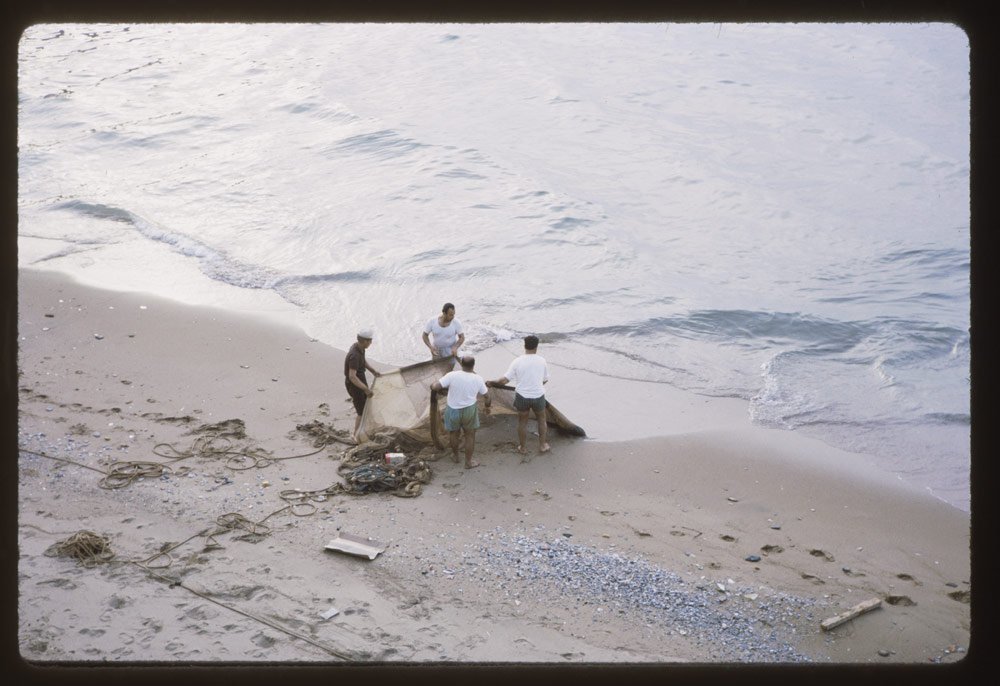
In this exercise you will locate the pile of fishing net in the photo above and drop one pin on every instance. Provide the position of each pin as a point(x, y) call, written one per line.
point(364, 468)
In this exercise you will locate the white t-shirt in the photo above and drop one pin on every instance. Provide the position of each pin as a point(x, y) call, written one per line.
point(528, 373)
point(443, 337)
point(463, 388)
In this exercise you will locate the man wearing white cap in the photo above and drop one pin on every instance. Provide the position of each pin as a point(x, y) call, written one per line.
point(355, 365)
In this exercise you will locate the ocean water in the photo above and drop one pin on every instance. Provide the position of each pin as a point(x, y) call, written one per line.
point(773, 212)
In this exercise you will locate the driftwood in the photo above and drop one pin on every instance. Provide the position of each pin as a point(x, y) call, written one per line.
point(848, 615)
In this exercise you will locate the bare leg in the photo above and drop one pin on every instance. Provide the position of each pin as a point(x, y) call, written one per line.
point(453, 443)
point(543, 431)
point(357, 425)
point(470, 446)
point(522, 431)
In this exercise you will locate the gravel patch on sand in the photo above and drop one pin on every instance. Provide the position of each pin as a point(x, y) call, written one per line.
point(732, 622)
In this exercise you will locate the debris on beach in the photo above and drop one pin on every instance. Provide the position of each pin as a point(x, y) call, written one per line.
point(848, 615)
point(356, 545)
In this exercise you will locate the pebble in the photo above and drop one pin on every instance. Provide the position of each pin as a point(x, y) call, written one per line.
point(752, 558)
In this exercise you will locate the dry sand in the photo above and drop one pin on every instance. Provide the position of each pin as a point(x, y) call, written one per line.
point(107, 376)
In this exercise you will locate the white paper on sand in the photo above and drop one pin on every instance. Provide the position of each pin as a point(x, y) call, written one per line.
point(356, 545)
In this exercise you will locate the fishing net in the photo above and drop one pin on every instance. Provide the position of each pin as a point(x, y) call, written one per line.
point(402, 401)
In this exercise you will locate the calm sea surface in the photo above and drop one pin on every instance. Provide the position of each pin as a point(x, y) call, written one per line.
point(778, 213)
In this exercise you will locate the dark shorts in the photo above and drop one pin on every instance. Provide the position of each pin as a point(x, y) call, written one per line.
point(357, 396)
point(524, 404)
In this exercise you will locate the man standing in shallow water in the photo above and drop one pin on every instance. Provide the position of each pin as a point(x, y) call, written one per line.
point(462, 413)
point(446, 331)
point(529, 373)
point(355, 365)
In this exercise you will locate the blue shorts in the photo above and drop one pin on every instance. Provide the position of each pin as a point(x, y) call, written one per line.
point(466, 418)
point(522, 404)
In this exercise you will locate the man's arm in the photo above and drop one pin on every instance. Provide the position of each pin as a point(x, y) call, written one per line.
point(485, 392)
point(502, 381)
point(458, 344)
point(372, 369)
point(353, 376)
point(427, 342)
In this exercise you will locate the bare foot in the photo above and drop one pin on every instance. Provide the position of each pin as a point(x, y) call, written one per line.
point(545, 448)
point(470, 465)
point(521, 450)
point(454, 458)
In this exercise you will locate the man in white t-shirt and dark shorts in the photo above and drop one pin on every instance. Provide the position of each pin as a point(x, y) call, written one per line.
point(528, 373)
point(462, 411)
point(444, 334)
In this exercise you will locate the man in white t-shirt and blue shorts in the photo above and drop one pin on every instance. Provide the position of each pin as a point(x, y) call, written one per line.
point(462, 411)
point(528, 373)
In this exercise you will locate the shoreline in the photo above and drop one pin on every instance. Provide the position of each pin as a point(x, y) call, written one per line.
point(640, 408)
point(828, 530)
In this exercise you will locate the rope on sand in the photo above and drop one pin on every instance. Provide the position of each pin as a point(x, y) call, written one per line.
point(362, 467)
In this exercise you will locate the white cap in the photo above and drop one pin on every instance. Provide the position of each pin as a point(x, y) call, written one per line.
point(366, 333)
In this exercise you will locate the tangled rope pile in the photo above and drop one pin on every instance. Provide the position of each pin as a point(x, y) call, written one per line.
point(88, 548)
point(323, 434)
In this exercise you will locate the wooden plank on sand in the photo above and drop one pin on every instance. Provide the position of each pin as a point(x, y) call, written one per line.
point(848, 615)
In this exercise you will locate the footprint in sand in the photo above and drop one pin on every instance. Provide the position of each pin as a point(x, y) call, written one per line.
point(961, 596)
point(201, 612)
point(263, 640)
point(772, 549)
point(117, 602)
point(903, 600)
point(816, 552)
point(728, 539)
point(151, 628)
point(813, 578)
point(907, 577)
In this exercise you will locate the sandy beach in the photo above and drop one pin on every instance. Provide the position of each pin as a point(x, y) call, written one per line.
point(750, 537)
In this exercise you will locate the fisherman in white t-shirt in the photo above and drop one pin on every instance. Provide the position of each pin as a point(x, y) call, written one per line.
point(462, 412)
point(528, 373)
point(446, 331)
